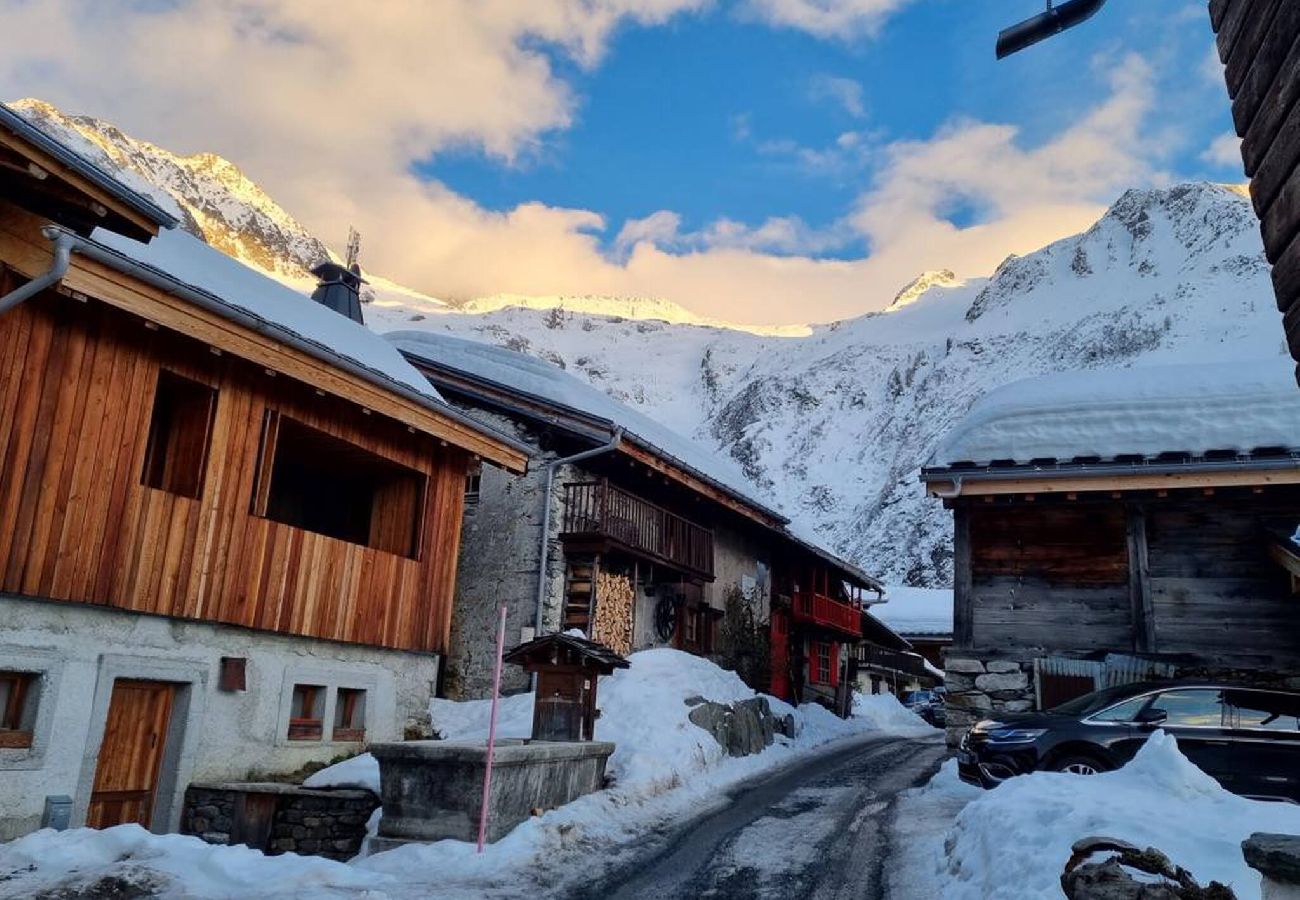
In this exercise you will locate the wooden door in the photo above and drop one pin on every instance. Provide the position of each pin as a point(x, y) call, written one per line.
point(130, 757)
point(780, 636)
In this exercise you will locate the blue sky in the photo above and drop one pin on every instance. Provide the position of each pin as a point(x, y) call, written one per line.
point(707, 115)
point(759, 161)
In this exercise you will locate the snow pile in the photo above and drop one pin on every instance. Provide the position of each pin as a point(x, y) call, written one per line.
point(1013, 842)
point(916, 611)
point(170, 864)
point(1145, 411)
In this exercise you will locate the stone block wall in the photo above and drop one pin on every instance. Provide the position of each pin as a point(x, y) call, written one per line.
point(979, 688)
point(291, 820)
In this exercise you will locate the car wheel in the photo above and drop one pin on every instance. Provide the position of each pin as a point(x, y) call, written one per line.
point(1079, 764)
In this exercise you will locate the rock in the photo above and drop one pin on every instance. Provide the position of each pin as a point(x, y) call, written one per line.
point(215, 837)
point(1018, 705)
point(695, 701)
point(955, 682)
point(1017, 681)
point(743, 729)
point(1002, 666)
point(1276, 856)
point(967, 666)
point(972, 700)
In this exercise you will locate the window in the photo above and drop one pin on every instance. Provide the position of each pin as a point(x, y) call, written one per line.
point(1122, 712)
point(473, 484)
point(317, 482)
point(1194, 709)
point(350, 715)
point(822, 661)
point(1261, 710)
point(17, 708)
point(180, 432)
point(306, 711)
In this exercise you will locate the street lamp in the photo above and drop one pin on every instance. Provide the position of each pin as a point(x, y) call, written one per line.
point(1042, 26)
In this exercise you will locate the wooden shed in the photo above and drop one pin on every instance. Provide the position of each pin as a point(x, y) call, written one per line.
point(568, 669)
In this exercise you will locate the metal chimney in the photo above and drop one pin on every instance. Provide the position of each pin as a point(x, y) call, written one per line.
point(339, 289)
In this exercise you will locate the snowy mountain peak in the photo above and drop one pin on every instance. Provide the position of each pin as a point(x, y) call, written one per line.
point(922, 283)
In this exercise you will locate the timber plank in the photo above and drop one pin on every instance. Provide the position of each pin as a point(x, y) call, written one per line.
point(1286, 276)
point(1232, 25)
point(1250, 43)
point(1218, 9)
point(1282, 221)
point(1277, 166)
point(1268, 90)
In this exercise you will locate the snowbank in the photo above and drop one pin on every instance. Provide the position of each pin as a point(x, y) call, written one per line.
point(664, 768)
point(1014, 841)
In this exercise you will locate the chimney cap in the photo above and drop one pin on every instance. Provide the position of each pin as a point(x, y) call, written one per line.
point(330, 271)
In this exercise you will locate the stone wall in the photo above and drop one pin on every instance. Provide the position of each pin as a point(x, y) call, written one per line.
point(277, 818)
point(978, 688)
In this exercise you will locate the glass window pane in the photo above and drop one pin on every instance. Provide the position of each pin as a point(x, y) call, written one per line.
point(1192, 708)
point(1272, 712)
point(1123, 712)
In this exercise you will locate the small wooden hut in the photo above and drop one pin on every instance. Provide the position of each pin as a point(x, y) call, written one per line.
point(567, 668)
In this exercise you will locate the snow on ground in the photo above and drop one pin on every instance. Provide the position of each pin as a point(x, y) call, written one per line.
point(1013, 842)
point(664, 769)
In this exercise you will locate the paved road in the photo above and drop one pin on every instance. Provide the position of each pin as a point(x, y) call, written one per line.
point(816, 831)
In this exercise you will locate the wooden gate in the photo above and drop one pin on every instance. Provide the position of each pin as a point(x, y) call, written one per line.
point(130, 757)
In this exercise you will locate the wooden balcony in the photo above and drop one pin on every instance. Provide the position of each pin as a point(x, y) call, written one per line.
point(818, 609)
point(599, 512)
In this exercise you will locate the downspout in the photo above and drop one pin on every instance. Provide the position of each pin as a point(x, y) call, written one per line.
point(951, 494)
point(52, 276)
point(544, 555)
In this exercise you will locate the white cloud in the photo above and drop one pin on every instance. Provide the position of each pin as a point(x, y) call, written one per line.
point(1224, 151)
point(825, 18)
point(844, 92)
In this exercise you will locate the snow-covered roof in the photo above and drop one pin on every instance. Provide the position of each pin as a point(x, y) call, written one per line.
point(183, 258)
point(1215, 409)
point(16, 124)
point(912, 611)
point(532, 377)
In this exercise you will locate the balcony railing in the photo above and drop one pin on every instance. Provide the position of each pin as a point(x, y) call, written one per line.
point(599, 509)
point(822, 610)
point(879, 657)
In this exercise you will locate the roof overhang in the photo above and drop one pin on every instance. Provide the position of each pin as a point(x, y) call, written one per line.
point(52, 180)
point(102, 273)
point(949, 483)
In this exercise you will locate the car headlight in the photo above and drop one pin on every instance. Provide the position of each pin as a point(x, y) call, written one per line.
point(1016, 735)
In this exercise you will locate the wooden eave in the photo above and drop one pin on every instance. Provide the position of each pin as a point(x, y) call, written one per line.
point(950, 486)
point(590, 428)
point(100, 204)
point(93, 279)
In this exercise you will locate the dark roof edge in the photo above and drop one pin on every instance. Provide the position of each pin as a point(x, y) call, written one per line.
point(599, 421)
point(85, 168)
point(1104, 469)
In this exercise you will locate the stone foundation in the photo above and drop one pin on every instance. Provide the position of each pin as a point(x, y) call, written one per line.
point(279, 818)
point(433, 790)
point(979, 688)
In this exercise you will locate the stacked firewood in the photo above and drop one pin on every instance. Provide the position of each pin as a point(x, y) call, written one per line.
point(615, 599)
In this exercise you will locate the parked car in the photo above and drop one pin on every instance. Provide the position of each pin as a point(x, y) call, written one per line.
point(918, 700)
point(1247, 739)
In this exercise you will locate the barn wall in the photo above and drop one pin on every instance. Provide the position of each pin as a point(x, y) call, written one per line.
point(77, 382)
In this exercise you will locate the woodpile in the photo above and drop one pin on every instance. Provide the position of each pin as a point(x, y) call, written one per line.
point(615, 601)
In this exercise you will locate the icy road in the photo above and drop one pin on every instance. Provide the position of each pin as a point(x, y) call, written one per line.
point(818, 830)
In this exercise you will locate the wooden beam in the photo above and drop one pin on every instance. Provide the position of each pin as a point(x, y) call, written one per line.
point(1139, 481)
point(1139, 581)
point(92, 192)
point(963, 593)
point(1285, 556)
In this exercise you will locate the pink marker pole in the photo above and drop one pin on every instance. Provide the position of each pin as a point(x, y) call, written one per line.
point(492, 730)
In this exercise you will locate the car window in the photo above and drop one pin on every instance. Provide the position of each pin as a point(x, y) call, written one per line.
point(1272, 712)
point(1124, 712)
point(1194, 708)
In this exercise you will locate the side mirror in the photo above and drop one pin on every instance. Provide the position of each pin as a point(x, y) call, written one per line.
point(1151, 717)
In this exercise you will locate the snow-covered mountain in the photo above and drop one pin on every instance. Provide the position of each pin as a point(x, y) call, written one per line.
point(833, 421)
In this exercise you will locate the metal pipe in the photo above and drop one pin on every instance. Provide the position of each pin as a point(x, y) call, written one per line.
point(1046, 24)
point(545, 551)
point(271, 329)
point(58, 268)
point(948, 495)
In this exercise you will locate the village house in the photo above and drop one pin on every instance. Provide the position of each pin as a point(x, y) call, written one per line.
point(1114, 526)
point(634, 535)
point(229, 515)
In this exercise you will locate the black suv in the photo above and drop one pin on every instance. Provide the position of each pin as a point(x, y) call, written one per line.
point(1247, 739)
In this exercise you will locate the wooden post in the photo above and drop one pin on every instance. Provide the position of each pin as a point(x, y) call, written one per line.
point(492, 730)
point(1139, 581)
point(963, 625)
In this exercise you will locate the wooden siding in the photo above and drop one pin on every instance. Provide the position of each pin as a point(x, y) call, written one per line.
point(1259, 44)
point(1203, 585)
point(77, 381)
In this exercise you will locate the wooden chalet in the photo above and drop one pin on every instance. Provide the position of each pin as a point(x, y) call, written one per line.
point(1122, 525)
point(630, 533)
point(229, 515)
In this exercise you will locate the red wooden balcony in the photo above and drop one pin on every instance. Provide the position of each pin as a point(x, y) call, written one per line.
point(597, 510)
point(818, 609)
